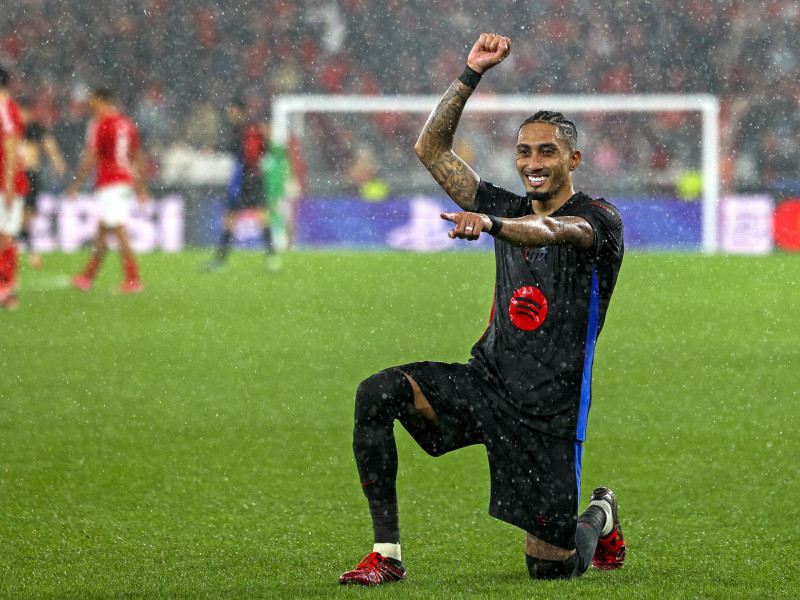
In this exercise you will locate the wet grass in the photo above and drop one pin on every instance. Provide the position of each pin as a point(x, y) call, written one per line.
point(194, 441)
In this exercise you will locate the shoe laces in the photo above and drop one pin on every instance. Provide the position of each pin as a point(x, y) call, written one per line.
point(373, 561)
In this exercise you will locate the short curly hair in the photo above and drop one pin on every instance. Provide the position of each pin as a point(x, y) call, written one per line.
point(565, 129)
point(102, 92)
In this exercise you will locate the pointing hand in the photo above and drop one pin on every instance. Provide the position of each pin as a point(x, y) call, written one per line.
point(468, 225)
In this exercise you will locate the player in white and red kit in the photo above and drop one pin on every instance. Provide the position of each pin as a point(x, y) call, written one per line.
point(13, 186)
point(114, 151)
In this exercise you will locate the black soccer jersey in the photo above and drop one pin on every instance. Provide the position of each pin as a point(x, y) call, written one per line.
point(248, 145)
point(35, 132)
point(549, 307)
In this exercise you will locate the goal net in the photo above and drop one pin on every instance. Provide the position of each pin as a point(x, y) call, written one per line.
point(655, 156)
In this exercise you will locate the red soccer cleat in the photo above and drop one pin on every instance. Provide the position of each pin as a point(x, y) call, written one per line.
point(81, 282)
point(9, 302)
point(132, 286)
point(375, 569)
point(7, 290)
point(610, 551)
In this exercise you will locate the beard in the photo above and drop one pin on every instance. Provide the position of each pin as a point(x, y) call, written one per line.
point(540, 196)
point(554, 186)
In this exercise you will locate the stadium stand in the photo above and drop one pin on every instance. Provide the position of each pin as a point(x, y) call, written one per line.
point(176, 64)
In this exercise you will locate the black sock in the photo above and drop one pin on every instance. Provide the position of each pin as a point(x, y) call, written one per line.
point(25, 238)
point(385, 524)
point(590, 524)
point(267, 232)
point(224, 245)
point(380, 400)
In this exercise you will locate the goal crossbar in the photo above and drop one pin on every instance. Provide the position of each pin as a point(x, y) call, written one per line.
point(707, 105)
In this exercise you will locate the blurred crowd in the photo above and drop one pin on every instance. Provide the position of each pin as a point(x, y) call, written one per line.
point(176, 65)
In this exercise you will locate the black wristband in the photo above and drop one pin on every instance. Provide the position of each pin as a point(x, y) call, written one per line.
point(497, 225)
point(470, 77)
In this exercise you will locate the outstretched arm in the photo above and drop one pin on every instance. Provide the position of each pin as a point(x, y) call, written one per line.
point(139, 175)
point(88, 161)
point(54, 154)
point(531, 231)
point(11, 143)
point(435, 144)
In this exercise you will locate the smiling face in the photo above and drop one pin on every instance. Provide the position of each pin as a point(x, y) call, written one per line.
point(545, 163)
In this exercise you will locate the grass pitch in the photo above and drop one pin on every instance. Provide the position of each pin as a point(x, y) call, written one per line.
point(194, 441)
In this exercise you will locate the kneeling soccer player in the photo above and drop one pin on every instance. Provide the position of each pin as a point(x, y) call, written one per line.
point(526, 391)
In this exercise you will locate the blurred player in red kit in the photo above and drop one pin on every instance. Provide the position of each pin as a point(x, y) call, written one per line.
point(13, 186)
point(113, 150)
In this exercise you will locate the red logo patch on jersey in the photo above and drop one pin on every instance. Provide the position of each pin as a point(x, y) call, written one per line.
point(253, 145)
point(528, 308)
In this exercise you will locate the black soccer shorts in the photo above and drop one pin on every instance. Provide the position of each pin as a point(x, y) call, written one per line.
point(535, 477)
point(250, 194)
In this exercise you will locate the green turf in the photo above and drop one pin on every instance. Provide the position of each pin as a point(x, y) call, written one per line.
point(194, 441)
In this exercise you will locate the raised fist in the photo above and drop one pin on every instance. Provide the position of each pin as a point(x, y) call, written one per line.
point(488, 51)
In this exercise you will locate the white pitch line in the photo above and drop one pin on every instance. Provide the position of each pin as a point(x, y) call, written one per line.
point(45, 284)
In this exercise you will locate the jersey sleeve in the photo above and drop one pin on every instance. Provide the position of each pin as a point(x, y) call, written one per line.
point(11, 119)
point(496, 201)
point(5, 120)
point(606, 222)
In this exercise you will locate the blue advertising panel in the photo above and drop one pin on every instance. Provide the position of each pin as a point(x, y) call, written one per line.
point(414, 224)
point(661, 223)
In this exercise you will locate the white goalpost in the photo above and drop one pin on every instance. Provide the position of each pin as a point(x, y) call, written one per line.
point(286, 108)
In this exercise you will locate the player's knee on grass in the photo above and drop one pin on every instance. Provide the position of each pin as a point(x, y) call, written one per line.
point(553, 569)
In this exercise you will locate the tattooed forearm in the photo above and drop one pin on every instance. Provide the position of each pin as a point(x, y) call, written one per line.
point(457, 179)
point(442, 123)
point(435, 147)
